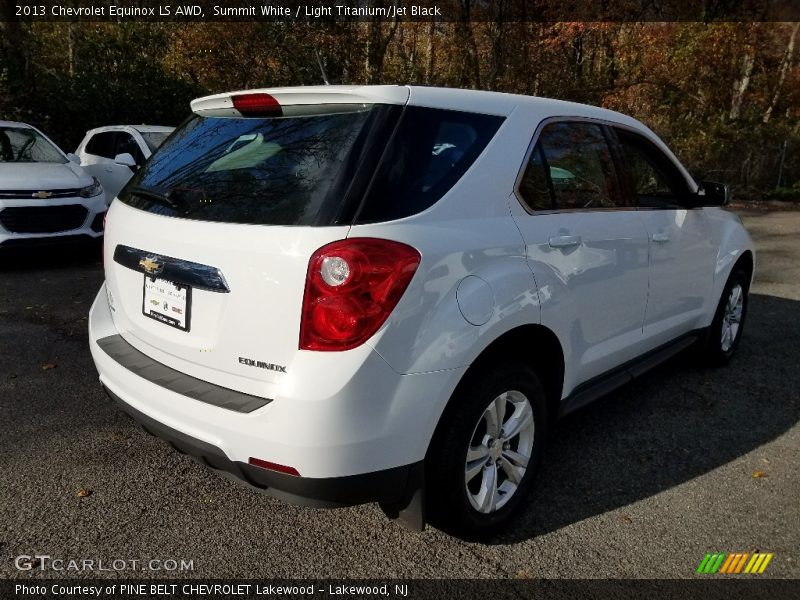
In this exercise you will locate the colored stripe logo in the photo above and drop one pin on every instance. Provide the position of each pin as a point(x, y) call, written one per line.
point(734, 563)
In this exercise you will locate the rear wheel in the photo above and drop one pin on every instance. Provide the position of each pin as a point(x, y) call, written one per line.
point(725, 332)
point(486, 451)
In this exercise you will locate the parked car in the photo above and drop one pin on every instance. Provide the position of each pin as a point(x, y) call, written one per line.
point(354, 294)
point(114, 153)
point(45, 196)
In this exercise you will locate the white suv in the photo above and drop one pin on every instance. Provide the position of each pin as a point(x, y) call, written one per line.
point(388, 293)
point(115, 152)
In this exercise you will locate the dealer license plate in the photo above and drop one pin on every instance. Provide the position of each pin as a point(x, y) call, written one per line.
point(167, 302)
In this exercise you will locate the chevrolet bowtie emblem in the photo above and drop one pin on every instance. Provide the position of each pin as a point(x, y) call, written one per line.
point(150, 266)
point(41, 195)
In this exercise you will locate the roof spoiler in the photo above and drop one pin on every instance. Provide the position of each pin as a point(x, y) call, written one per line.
point(305, 100)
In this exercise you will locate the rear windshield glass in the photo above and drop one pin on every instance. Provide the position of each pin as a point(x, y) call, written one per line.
point(22, 144)
point(362, 164)
point(275, 171)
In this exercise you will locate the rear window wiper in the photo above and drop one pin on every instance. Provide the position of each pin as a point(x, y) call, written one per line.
point(151, 195)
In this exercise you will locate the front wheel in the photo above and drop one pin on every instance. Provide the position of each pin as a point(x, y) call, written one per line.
point(486, 451)
point(726, 329)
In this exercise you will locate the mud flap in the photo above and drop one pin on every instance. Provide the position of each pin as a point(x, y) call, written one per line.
point(410, 512)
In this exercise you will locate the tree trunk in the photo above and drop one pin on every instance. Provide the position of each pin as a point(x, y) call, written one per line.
point(471, 61)
point(785, 63)
point(740, 85)
point(497, 56)
point(377, 44)
point(72, 42)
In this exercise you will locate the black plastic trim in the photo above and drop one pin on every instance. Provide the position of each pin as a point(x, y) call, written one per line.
point(49, 240)
point(177, 270)
point(390, 485)
point(153, 371)
point(606, 383)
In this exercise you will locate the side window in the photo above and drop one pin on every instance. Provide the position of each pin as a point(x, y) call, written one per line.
point(654, 179)
point(573, 159)
point(535, 185)
point(102, 144)
point(125, 143)
point(428, 154)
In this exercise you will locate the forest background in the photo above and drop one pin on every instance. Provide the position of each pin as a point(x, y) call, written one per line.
point(725, 96)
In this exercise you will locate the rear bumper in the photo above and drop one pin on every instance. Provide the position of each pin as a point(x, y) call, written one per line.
point(354, 435)
point(390, 486)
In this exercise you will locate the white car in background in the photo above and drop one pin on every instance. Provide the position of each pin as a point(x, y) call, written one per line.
point(114, 153)
point(45, 196)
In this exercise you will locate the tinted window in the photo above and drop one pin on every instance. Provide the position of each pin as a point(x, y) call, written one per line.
point(102, 144)
point(22, 144)
point(535, 185)
point(429, 152)
point(277, 171)
point(654, 179)
point(125, 143)
point(576, 158)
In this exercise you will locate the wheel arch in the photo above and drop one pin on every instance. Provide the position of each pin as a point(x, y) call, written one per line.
point(532, 344)
point(747, 263)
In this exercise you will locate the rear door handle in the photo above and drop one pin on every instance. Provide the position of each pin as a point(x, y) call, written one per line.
point(565, 241)
point(660, 238)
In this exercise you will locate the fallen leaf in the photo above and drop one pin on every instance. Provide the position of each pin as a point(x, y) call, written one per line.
point(83, 492)
point(758, 473)
point(522, 574)
point(625, 519)
point(48, 366)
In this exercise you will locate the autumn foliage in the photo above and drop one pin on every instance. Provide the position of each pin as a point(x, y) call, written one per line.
point(725, 96)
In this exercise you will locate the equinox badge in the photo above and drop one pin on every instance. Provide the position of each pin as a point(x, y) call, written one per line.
point(262, 365)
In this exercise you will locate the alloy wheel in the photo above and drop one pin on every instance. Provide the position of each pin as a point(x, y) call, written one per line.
point(499, 451)
point(732, 317)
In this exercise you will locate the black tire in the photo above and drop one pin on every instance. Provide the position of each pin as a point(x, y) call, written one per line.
point(448, 496)
point(713, 350)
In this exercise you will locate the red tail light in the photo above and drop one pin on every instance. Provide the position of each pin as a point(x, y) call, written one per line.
point(257, 105)
point(352, 287)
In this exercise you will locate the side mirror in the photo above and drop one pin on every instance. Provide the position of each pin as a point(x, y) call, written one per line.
point(126, 160)
point(73, 158)
point(712, 193)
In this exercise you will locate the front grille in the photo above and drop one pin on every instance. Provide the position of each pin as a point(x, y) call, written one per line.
point(32, 194)
point(98, 221)
point(43, 219)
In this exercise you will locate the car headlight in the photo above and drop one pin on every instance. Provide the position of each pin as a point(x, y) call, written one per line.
point(95, 189)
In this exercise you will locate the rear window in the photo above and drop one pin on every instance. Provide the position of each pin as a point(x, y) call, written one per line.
point(363, 163)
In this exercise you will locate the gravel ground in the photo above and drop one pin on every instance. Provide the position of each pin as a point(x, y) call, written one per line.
point(642, 484)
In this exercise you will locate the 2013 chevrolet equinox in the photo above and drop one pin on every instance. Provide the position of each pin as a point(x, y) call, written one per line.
point(356, 294)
